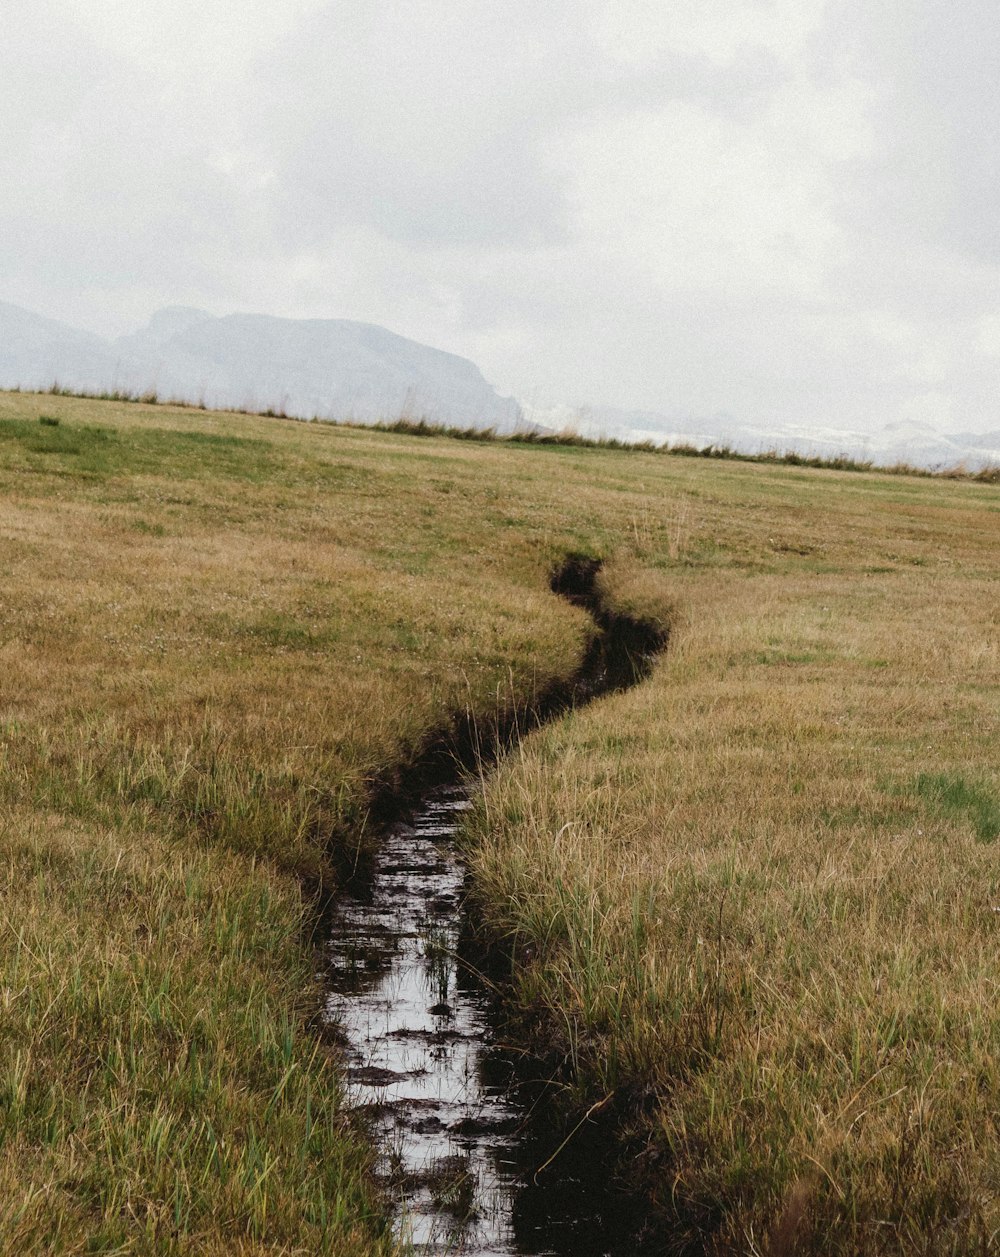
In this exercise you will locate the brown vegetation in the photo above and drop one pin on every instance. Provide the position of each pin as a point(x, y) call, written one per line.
point(759, 891)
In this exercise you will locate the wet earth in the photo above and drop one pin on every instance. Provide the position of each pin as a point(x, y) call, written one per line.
point(417, 1027)
point(465, 1153)
point(469, 1150)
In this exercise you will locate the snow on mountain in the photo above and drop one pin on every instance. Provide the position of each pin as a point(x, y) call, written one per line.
point(909, 441)
point(329, 368)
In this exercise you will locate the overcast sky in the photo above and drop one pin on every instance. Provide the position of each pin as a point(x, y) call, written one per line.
point(781, 209)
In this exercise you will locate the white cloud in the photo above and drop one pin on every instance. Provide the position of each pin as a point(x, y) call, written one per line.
point(779, 208)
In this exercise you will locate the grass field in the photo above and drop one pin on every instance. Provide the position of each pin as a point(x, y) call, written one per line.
point(756, 897)
point(761, 893)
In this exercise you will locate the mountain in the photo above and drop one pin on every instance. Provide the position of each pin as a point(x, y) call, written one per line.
point(336, 369)
point(911, 441)
point(36, 352)
point(326, 368)
point(985, 443)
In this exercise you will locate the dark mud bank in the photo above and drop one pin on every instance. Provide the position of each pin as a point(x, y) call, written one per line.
point(620, 655)
point(478, 1152)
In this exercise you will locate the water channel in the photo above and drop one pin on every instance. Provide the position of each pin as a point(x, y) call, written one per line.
point(466, 1149)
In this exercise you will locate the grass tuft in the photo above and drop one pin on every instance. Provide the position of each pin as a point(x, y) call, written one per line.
point(955, 797)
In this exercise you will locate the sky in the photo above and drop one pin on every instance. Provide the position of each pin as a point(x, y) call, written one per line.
point(782, 210)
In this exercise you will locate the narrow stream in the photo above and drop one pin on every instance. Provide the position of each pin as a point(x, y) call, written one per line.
point(464, 1150)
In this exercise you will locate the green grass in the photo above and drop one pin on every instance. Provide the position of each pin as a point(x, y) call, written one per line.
point(957, 798)
point(213, 639)
point(760, 897)
point(51, 447)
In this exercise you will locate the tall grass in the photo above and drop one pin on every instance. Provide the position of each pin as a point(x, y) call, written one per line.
point(754, 897)
point(757, 898)
point(213, 641)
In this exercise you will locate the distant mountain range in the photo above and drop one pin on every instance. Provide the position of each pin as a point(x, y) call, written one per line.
point(311, 368)
point(335, 369)
point(914, 442)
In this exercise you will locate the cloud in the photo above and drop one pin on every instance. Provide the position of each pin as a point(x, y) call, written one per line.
point(931, 72)
point(426, 122)
point(779, 208)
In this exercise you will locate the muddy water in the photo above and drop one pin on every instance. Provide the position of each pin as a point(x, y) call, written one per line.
point(464, 1151)
point(418, 1027)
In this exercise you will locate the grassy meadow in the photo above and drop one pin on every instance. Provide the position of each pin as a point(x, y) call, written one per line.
point(761, 894)
point(755, 899)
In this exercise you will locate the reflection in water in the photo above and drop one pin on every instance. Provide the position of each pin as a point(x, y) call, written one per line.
point(417, 1025)
point(447, 1107)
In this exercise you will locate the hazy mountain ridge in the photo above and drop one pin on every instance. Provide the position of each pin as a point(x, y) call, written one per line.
point(36, 352)
point(338, 369)
point(326, 368)
point(915, 441)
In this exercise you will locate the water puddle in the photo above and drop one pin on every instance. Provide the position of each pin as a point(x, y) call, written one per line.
point(417, 1023)
point(463, 1150)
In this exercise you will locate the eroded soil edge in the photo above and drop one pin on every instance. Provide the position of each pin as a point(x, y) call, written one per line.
point(468, 1123)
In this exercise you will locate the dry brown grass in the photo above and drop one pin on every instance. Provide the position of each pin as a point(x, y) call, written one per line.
point(759, 888)
point(762, 890)
point(213, 633)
